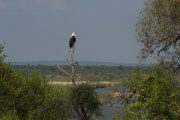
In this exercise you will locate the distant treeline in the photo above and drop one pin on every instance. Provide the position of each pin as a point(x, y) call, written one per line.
point(87, 70)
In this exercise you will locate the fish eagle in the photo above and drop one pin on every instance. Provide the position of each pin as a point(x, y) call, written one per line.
point(72, 40)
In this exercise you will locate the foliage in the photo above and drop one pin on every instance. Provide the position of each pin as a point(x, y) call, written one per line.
point(157, 95)
point(105, 98)
point(85, 102)
point(158, 29)
point(1, 50)
point(29, 97)
point(90, 73)
point(9, 115)
point(55, 107)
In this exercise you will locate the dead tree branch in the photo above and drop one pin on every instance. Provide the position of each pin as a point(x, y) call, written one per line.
point(63, 70)
point(72, 75)
point(80, 75)
point(72, 66)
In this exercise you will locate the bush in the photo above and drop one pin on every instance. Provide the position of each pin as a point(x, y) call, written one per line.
point(55, 106)
point(28, 97)
point(31, 98)
point(158, 95)
point(85, 102)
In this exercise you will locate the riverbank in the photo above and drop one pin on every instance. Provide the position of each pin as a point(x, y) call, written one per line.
point(97, 84)
point(69, 83)
point(110, 107)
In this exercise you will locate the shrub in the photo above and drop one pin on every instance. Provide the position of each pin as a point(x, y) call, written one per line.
point(28, 97)
point(158, 95)
point(84, 101)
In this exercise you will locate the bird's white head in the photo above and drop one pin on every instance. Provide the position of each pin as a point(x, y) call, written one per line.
point(73, 34)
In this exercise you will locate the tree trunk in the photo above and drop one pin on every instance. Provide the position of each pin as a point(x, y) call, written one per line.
point(72, 66)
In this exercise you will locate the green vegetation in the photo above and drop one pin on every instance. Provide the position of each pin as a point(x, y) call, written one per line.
point(156, 96)
point(31, 97)
point(93, 74)
point(154, 92)
point(158, 30)
point(105, 98)
point(85, 102)
point(28, 97)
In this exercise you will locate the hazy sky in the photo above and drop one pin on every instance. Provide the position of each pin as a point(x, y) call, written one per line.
point(39, 30)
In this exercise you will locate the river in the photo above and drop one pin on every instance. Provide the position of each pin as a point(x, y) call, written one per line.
point(108, 110)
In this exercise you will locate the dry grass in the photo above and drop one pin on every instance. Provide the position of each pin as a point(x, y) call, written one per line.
point(69, 83)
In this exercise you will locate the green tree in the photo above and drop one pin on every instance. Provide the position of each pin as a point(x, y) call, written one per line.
point(157, 95)
point(28, 97)
point(85, 102)
point(158, 30)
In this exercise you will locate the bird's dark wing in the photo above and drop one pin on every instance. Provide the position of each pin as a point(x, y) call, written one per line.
point(72, 40)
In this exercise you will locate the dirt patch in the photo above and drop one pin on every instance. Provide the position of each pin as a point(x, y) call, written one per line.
point(69, 83)
point(60, 83)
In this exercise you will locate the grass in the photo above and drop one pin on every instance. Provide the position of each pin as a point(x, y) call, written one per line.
point(58, 78)
point(105, 98)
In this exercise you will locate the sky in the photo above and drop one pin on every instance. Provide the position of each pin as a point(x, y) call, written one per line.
point(39, 30)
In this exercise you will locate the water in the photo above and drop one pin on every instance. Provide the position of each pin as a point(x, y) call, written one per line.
point(107, 90)
point(108, 110)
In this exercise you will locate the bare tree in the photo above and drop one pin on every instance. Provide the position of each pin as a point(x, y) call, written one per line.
point(72, 75)
point(82, 97)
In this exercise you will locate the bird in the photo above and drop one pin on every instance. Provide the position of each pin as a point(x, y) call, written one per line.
point(72, 40)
